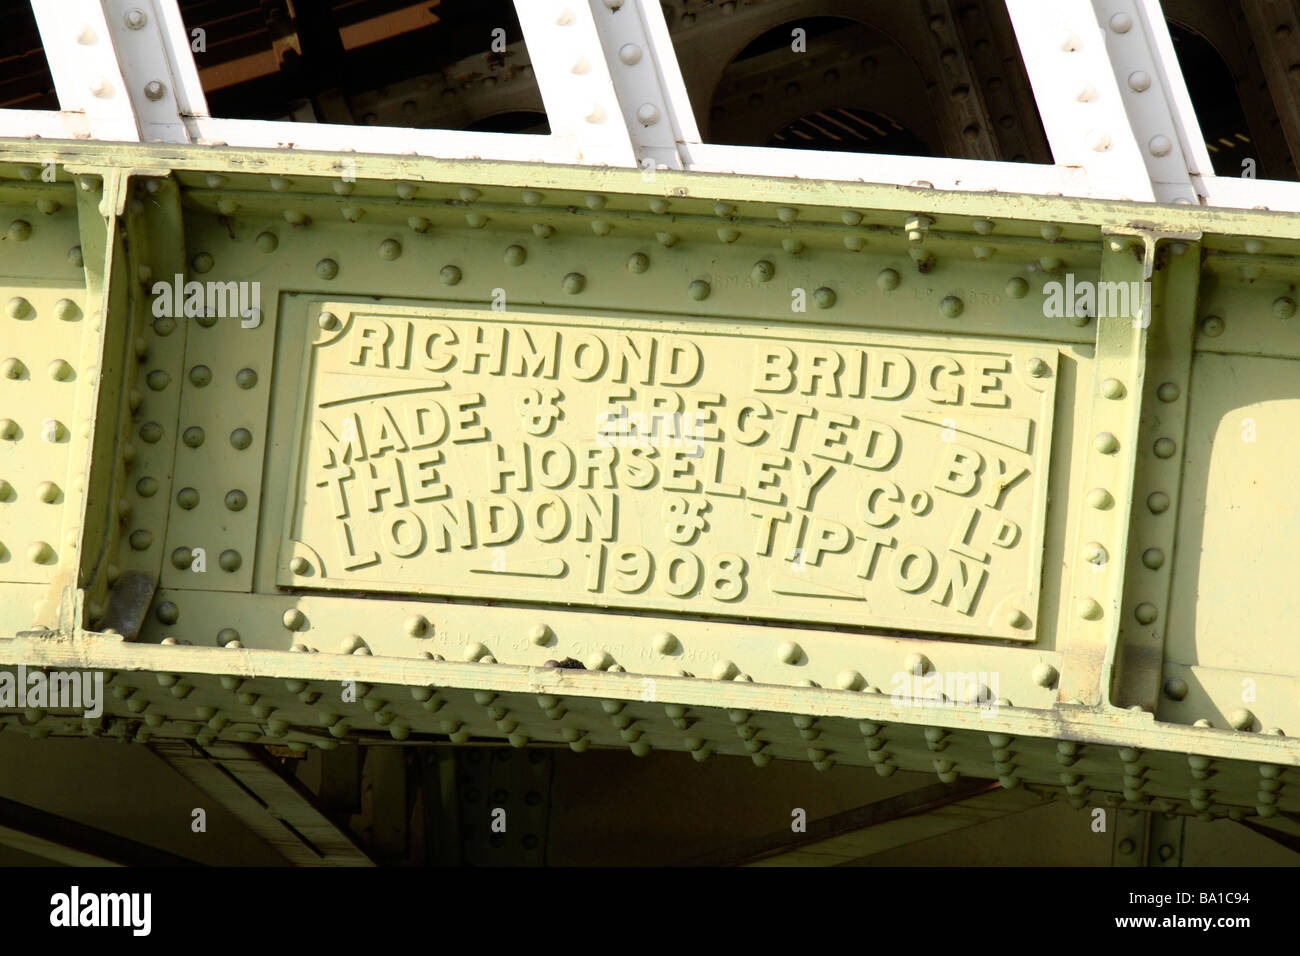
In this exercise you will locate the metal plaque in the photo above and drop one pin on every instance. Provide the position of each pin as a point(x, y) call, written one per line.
point(799, 474)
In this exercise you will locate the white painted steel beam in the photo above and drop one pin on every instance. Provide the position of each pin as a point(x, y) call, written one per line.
point(647, 78)
point(153, 49)
point(1111, 96)
point(582, 106)
point(88, 78)
point(43, 124)
point(392, 140)
point(966, 175)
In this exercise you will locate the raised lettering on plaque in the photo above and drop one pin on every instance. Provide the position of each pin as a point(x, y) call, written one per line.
point(830, 476)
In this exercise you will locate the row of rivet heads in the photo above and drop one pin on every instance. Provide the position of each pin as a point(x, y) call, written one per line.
point(1046, 253)
point(149, 447)
point(631, 211)
point(1212, 686)
point(665, 644)
point(1157, 482)
point(216, 720)
point(42, 426)
point(52, 429)
point(888, 279)
point(1109, 416)
point(242, 439)
point(385, 707)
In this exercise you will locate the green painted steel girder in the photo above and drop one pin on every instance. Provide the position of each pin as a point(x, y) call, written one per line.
point(965, 483)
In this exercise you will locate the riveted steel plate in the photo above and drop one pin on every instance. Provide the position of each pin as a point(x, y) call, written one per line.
point(847, 478)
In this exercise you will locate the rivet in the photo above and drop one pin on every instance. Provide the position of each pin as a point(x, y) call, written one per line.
point(763, 270)
point(48, 492)
point(40, 553)
point(1164, 447)
point(638, 262)
point(474, 651)
point(1106, 443)
point(540, 634)
point(1089, 609)
point(647, 114)
point(406, 190)
point(724, 210)
point(230, 560)
point(1097, 140)
point(658, 206)
point(789, 652)
point(296, 218)
point(699, 290)
point(418, 224)
point(1158, 502)
point(327, 269)
point(236, 500)
point(951, 306)
point(850, 680)
point(65, 310)
point(917, 664)
point(141, 539)
point(450, 275)
point(60, 370)
point(792, 246)
point(1145, 613)
point(1153, 558)
point(279, 184)
point(1160, 145)
point(1100, 499)
point(1212, 326)
point(328, 321)
point(725, 670)
point(1045, 675)
point(1112, 388)
point(468, 194)
point(1016, 287)
point(12, 368)
point(666, 239)
point(17, 307)
point(20, 230)
point(574, 283)
point(728, 234)
point(664, 642)
point(245, 378)
point(824, 297)
point(293, 619)
point(187, 498)
point(1241, 719)
point(193, 436)
point(417, 625)
point(515, 255)
point(1095, 553)
point(1284, 308)
point(390, 249)
point(1139, 81)
point(531, 197)
point(350, 645)
point(475, 220)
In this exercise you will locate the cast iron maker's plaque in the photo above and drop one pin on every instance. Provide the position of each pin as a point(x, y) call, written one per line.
point(796, 474)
